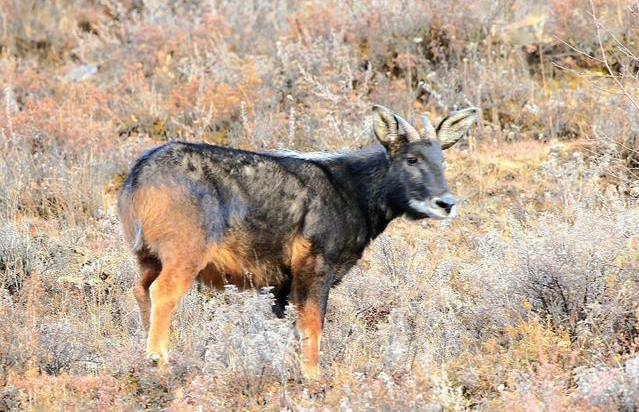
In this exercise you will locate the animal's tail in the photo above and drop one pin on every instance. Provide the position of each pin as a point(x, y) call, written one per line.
point(131, 225)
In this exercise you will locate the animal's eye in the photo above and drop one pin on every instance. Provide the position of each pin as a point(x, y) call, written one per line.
point(411, 160)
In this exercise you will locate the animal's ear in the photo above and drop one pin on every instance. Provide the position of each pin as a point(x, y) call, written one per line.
point(455, 126)
point(391, 130)
point(386, 128)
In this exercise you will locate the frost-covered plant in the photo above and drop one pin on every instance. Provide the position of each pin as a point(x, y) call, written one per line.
point(17, 255)
point(245, 343)
point(579, 270)
point(63, 345)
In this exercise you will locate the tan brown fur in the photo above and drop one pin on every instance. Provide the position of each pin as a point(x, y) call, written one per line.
point(309, 324)
point(166, 292)
point(169, 233)
point(308, 303)
point(300, 253)
point(231, 262)
point(127, 217)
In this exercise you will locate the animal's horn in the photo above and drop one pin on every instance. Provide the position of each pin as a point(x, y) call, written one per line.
point(411, 133)
point(429, 130)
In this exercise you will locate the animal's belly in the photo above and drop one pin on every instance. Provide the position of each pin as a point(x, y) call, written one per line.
point(254, 261)
point(247, 276)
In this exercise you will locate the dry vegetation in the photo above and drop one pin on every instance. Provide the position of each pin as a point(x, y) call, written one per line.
point(529, 301)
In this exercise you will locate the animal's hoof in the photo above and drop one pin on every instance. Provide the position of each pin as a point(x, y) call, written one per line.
point(155, 359)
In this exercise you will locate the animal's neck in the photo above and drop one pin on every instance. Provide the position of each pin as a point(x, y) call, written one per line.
point(365, 175)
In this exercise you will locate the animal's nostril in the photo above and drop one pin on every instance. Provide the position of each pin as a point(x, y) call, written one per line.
point(445, 202)
point(444, 205)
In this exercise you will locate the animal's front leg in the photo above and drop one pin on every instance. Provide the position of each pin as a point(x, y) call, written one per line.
point(309, 294)
point(310, 324)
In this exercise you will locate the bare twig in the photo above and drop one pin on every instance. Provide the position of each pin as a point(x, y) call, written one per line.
point(587, 77)
point(570, 46)
point(598, 26)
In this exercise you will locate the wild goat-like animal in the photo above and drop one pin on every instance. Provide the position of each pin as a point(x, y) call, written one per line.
point(296, 222)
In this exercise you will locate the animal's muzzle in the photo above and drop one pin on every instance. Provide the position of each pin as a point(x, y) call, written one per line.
point(445, 204)
point(439, 207)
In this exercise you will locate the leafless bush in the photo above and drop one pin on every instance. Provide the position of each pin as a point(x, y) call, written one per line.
point(18, 253)
point(615, 129)
point(12, 353)
point(574, 276)
point(62, 346)
point(400, 315)
point(245, 344)
point(579, 270)
point(43, 179)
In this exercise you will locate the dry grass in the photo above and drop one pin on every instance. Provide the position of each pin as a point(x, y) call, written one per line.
point(525, 302)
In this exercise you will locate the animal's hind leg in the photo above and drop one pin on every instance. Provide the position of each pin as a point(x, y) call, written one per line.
point(150, 268)
point(167, 291)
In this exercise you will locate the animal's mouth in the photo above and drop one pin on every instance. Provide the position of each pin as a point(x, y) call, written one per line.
point(432, 209)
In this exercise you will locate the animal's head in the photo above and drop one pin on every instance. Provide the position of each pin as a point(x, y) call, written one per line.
point(417, 169)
